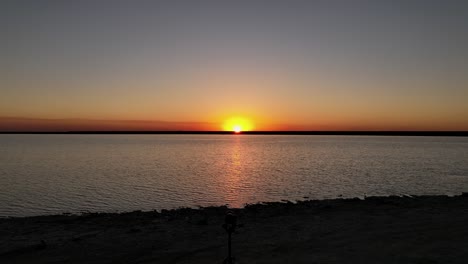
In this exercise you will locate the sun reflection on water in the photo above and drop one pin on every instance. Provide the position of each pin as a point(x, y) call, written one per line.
point(235, 175)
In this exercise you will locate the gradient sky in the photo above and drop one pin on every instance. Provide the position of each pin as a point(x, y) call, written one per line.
point(191, 65)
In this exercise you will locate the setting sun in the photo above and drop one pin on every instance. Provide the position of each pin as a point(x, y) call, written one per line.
point(237, 125)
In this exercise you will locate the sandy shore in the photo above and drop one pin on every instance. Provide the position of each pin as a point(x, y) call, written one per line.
point(423, 229)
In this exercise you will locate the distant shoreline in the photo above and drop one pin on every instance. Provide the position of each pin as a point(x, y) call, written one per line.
point(318, 133)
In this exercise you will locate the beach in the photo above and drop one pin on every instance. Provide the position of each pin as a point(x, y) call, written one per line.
point(418, 229)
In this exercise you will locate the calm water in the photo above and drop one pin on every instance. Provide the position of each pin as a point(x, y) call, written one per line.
point(49, 174)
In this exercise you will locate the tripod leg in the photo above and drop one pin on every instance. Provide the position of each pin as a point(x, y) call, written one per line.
point(229, 248)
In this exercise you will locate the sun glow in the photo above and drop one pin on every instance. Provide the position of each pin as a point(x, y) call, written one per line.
point(237, 125)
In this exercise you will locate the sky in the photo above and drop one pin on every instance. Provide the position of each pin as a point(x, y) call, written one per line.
point(205, 65)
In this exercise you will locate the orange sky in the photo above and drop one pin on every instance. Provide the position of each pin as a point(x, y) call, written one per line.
point(62, 125)
point(299, 65)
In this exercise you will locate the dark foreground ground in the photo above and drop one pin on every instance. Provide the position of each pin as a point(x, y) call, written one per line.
point(425, 229)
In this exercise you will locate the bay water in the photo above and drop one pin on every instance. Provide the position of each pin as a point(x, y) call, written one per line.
point(54, 174)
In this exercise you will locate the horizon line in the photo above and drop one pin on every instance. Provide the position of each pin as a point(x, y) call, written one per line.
point(277, 132)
